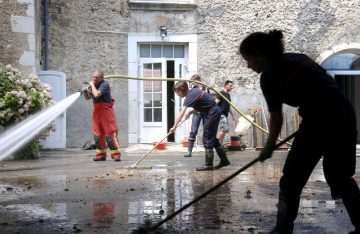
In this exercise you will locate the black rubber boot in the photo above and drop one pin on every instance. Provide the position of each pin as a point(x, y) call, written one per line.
point(209, 158)
point(224, 161)
point(190, 148)
point(286, 214)
point(352, 204)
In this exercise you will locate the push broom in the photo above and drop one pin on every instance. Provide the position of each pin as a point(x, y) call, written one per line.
point(135, 165)
point(148, 228)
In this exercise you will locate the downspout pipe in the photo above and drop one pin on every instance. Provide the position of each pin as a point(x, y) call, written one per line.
point(46, 34)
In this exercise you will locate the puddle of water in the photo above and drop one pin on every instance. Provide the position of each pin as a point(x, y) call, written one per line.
point(129, 198)
point(37, 211)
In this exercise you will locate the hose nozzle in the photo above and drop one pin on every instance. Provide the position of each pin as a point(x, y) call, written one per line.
point(85, 88)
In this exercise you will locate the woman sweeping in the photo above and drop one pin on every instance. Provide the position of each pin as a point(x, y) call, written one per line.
point(201, 101)
point(328, 127)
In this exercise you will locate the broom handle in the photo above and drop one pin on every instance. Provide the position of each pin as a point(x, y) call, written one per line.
point(154, 227)
point(168, 134)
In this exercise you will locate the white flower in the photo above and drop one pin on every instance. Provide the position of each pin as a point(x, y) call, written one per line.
point(26, 107)
point(21, 110)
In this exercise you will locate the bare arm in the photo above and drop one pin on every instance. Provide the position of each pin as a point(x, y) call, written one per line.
point(187, 115)
point(232, 113)
point(178, 119)
point(276, 120)
point(94, 90)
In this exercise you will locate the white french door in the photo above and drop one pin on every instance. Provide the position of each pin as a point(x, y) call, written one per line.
point(152, 101)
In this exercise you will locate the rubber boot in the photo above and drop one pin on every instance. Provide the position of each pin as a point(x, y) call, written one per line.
point(100, 157)
point(224, 161)
point(352, 204)
point(190, 148)
point(209, 158)
point(286, 214)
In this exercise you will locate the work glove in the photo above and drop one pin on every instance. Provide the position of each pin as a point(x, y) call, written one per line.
point(267, 151)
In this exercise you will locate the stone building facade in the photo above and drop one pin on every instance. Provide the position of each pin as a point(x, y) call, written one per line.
point(123, 37)
point(20, 34)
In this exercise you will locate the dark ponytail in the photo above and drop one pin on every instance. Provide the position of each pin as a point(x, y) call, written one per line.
point(270, 45)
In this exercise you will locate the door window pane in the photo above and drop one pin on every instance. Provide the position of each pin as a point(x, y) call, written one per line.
point(145, 51)
point(179, 51)
point(157, 114)
point(168, 51)
point(147, 115)
point(147, 100)
point(155, 51)
point(157, 70)
point(157, 99)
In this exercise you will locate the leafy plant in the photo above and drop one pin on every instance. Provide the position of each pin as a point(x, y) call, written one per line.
point(21, 97)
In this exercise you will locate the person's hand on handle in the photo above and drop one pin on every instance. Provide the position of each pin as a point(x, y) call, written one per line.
point(173, 129)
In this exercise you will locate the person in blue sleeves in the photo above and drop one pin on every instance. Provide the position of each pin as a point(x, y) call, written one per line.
point(201, 101)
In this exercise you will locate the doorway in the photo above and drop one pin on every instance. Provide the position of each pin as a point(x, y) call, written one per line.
point(170, 64)
point(349, 83)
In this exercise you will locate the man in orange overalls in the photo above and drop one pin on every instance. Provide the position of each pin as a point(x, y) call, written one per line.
point(105, 128)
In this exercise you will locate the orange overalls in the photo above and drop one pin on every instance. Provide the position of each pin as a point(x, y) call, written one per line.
point(105, 130)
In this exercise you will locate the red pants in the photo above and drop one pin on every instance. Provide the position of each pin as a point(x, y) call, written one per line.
point(105, 130)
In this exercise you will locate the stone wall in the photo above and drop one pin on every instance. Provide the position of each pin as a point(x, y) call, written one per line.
point(20, 35)
point(85, 35)
point(88, 34)
point(309, 27)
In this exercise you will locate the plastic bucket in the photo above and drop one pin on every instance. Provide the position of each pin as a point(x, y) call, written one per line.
point(234, 141)
point(160, 146)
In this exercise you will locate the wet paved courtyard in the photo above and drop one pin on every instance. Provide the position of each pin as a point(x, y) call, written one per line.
point(66, 192)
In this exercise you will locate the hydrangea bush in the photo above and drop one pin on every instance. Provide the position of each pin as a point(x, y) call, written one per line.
point(19, 98)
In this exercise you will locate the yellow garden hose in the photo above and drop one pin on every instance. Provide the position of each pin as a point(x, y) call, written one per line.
point(197, 82)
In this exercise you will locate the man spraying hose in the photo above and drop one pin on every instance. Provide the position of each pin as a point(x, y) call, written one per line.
point(105, 128)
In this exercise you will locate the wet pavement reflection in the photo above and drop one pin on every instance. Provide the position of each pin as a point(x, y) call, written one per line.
point(116, 200)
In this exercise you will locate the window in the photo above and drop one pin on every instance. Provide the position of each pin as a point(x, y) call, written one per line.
point(152, 93)
point(162, 51)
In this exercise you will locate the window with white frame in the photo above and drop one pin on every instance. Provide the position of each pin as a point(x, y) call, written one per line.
point(162, 51)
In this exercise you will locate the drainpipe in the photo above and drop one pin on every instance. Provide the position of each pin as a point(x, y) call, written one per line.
point(46, 34)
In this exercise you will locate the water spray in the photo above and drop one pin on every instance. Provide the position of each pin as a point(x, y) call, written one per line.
point(17, 136)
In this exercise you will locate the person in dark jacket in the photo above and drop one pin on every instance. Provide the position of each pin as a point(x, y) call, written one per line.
point(225, 110)
point(196, 118)
point(328, 119)
point(201, 101)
